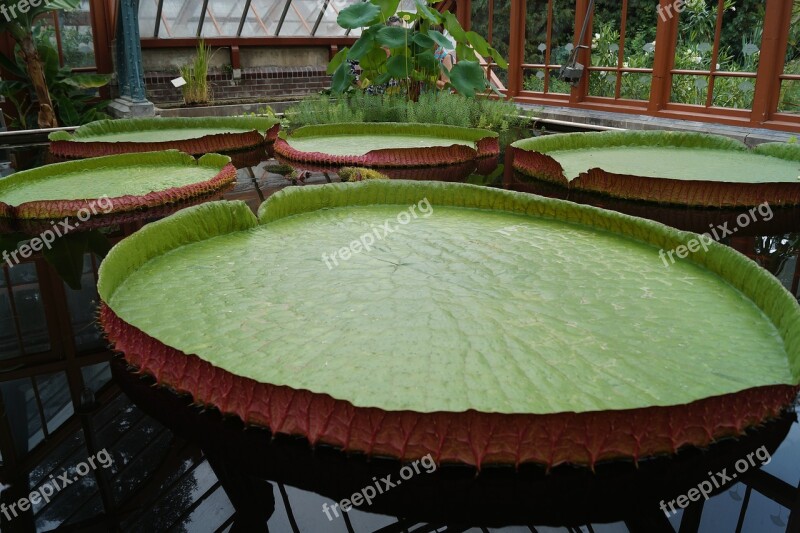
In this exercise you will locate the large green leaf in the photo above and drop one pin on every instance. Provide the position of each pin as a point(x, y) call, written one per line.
point(399, 66)
point(342, 78)
point(388, 7)
point(363, 45)
point(424, 41)
point(543, 297)
point(452, 25)
point(498, 58)
point(478, 43)
point(374, 60)
point(358, 15)
point(468, 78)
point(393, 37)
point(337, 60)
point(440, 39)
point(429, 14)
point(87, 81)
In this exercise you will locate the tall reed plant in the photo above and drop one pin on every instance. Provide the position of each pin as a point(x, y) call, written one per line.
point(197, 91)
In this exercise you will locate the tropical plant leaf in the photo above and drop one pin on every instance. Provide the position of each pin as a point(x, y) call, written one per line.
point(440, 39)
point(423, 40)
point(337, 60)
point(342, 79)
point(87, 81)
point(452, 25)
point(399, 66)
point(358, 15)
point(467, 77)
point(388, 7)
point(428, 13)
point(363, 45)
point(392, 37)
point(478, 43)
point(498, 58)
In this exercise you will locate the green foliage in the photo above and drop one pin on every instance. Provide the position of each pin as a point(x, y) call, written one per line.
point(197, 91)
point(406, 53)
point(74, 94)
point(439, 107)
point(20, 25)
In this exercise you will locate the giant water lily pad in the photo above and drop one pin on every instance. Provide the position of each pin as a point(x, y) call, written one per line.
point(112, 184)
point(486, 326)
point(194, 136)
point(386, 144)
point(665, 167)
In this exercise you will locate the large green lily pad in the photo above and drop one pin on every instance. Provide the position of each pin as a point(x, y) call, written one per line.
point(670, 167)
point(194, 135)
point(126, 182)
point(479, 309)
point(386, 144)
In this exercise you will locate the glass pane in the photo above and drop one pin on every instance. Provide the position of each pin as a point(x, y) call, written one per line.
point(55, 397)
point(635, 86)
point(329, 27)
point(499, 28)
point(76, 36)
point(82, 306)
point(696, 28)
point(740, 41)
point(562, 31)
point(534, 79)
point(790, 97)
point(30, 309)
point(607, 30)
point(9, 343)
point(222, 18)
point(734, 92)
point(300, 18)
point(689, 89)
point(147, 18)
point(603, 83)
point(24, 420)
point(262, 18)
point(180, 18)
point(96, 376)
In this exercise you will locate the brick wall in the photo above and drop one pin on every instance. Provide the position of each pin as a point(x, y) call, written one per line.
point(266, 83)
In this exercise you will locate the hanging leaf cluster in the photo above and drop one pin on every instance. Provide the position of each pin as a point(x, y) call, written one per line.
point(411, 48)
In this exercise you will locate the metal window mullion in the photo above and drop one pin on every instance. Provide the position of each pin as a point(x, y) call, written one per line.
point(159, 11)
point(319, 18)
point(39, 407)
point(283, 17)
point(202, 18)
point(244, 18)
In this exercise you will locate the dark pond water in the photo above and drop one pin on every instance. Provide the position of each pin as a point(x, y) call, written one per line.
point(161, 464)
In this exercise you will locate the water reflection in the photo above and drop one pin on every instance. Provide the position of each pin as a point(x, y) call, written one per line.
point(64, 398)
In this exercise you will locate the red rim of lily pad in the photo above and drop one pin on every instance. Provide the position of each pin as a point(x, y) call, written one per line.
point(485, 142)
point(247, 133)
point(531, 157)
point(222, 173)
point(472, 437)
